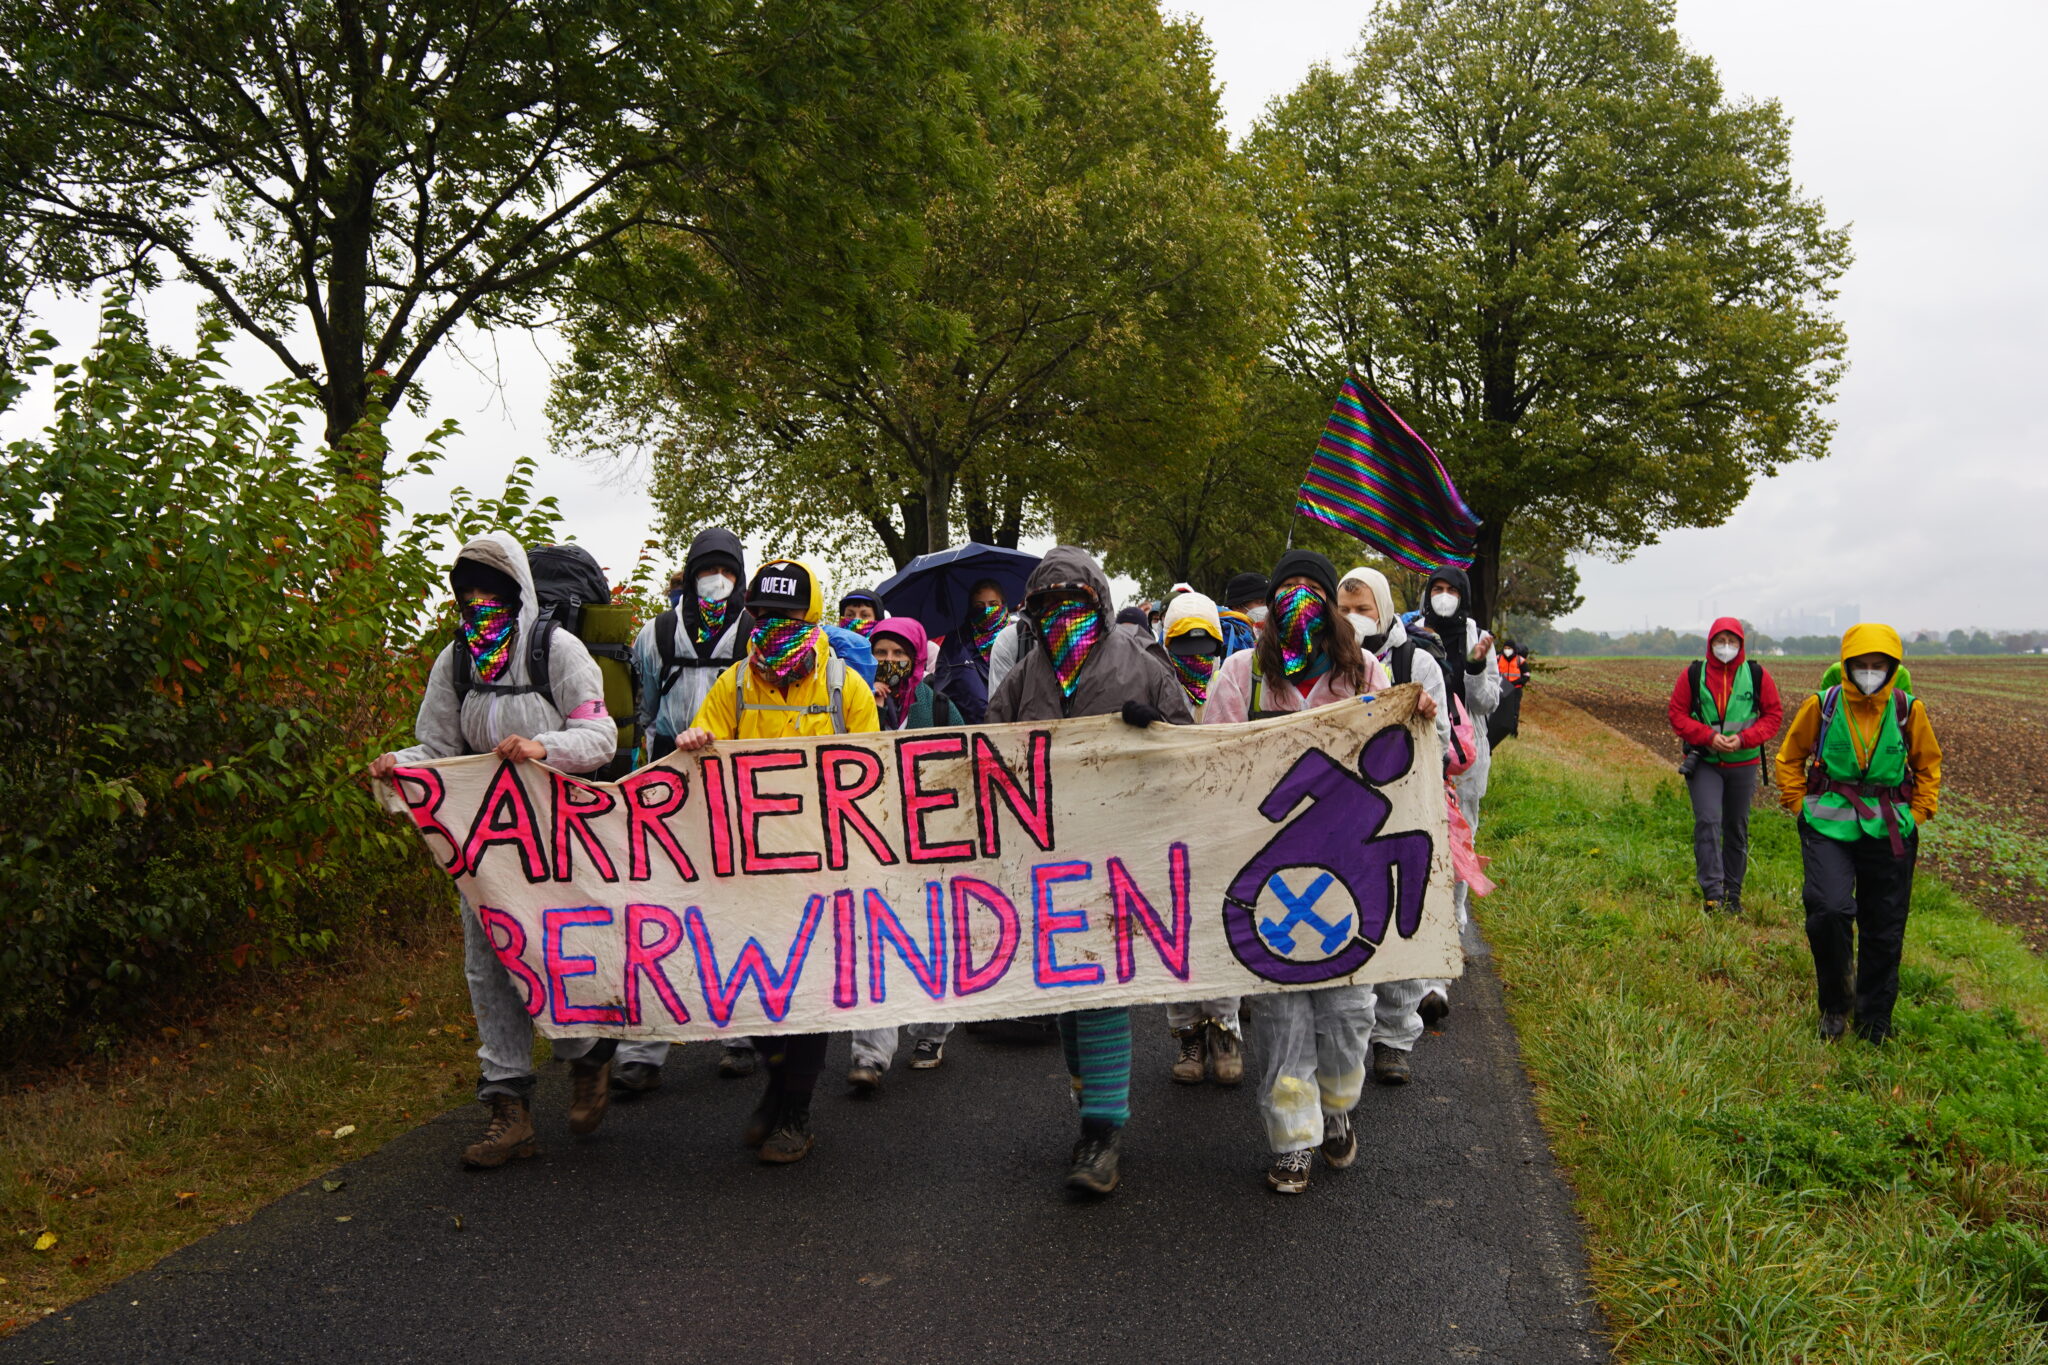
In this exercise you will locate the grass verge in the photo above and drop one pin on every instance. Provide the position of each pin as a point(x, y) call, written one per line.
point(1753, 1195)
point(106, 1167)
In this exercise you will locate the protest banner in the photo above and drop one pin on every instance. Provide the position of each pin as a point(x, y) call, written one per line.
point(854, 881)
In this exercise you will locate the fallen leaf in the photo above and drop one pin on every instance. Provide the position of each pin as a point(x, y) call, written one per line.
point(46, 1241)
point(875, 1277)
point(458, 1226)
point(343, 1218)
point(187, 1197)
point(332, 1185)
point(344, 1130)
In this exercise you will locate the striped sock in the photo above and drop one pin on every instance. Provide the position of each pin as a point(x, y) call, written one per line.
point(1098, 1048)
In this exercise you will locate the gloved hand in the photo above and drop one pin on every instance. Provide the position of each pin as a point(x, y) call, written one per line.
point(1141, 713)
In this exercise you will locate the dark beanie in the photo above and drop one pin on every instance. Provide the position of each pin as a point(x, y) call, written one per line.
point(1306, 564)
point(1134, 616)
point(474, 573)
point(1243, 589)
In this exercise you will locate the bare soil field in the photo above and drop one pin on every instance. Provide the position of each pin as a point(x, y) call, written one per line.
point(1990, 713)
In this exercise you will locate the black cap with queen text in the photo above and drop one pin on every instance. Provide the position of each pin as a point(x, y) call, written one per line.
point(781, 587)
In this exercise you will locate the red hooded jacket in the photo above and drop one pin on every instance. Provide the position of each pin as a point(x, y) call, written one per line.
point(1720, 680)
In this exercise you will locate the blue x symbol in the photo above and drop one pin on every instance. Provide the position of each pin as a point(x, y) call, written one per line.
point(1301, 910)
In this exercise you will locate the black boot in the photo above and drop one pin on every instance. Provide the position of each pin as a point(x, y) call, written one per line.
point(792, 1139)
point(1093, 1169)
point(1832, 1027)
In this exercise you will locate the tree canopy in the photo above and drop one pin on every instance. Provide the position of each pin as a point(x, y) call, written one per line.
point(349, 182)
point(1585, 274)
point(1096, 288)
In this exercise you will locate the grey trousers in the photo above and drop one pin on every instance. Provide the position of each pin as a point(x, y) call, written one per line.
point(876, 1047)
point(1223, 1009)
point(504, 1029)
point(1720, 826)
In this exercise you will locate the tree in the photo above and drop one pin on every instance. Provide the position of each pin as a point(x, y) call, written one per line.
point(1577, 267)
point(350, 182)
point(1100, 262)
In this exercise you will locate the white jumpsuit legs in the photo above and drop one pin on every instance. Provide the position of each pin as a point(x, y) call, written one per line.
point(1312, 1050)
point(876, 1047)
point(504, 1028)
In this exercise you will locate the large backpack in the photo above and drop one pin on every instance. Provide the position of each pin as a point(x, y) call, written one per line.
point(571, 593)
point(1464, 742)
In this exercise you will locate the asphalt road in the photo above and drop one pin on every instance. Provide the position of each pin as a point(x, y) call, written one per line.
point(929, 1224)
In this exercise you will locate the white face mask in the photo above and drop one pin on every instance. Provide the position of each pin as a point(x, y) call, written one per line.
point(1726, 653)
point(713, 587)
point(1258, 613)
point(1362, 625)
point(1869, 679)
point(1444, 603)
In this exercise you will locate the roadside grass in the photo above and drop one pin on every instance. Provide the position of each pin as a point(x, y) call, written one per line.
point(105, 1167)
point(1752, 1194)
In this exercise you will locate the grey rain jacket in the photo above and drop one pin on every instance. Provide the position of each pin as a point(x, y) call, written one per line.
point(483, 720)
point(1122, 667)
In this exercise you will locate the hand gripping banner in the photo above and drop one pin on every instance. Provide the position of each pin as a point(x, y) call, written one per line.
point(854, 881)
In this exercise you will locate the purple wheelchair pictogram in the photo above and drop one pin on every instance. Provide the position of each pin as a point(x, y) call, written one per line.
point(1335, 839)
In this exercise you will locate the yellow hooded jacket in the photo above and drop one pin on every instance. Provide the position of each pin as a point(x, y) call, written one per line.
point(719, 713)
point(1865, 715)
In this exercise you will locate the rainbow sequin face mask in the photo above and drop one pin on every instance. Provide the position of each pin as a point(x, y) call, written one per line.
point(1194, 672)
point(784, 650)
point(1300, 615)
point(1071, 628)
point(984, 623)
point(488, 624)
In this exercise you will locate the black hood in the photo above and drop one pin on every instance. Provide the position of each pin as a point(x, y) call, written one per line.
point(715, 547)
point(1458, 579)
point(1456, 630)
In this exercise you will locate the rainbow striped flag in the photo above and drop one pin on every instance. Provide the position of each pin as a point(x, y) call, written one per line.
point(1372, 477)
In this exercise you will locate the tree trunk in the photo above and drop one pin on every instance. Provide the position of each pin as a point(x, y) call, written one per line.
point(1485, 573)
point(938, 507)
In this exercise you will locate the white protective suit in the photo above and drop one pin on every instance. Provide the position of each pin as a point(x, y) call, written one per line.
point(579, 737)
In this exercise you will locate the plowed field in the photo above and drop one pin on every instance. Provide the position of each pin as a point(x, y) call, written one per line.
point(1990, 714)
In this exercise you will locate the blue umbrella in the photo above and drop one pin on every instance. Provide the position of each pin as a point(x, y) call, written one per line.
point(933, 588)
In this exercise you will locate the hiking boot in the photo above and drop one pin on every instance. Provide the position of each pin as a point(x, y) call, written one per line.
point(1340, 1141)
point(1093, 1167)
point(792, 1139)
point(762, 1121)
point(1711, 906)
point(1289, 1174)
point(738, 1063)
point(927, 1054)
point(865, 1078)
point(1832, 1027)
point(509, 1134)
point(1435, 1007)
point(1191, 1065)
point(1226, 1055)
point(589, 1093)
point(1733, 906)
point(1389, 1065)
point(636, 1078)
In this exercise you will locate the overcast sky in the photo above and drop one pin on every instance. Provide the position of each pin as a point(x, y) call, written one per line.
point(1924, 127)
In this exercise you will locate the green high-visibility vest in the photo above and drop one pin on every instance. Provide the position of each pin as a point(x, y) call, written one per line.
point(1879, 784)
point(1742, 710)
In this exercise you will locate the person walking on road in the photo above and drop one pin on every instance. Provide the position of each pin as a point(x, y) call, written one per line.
point(790, 683)
point(480, 698)
point(1210, 1038)
point(1080, 663)
point(1861, 769)
point(906, 702)
point(678, 654)
point(962, 673)
point(1311, 1044)
point(1367, 600)
point(1472, 677)
point(1724, 709)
